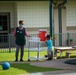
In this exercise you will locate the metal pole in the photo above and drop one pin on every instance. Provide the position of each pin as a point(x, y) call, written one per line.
point(51, 25)
point(60, 25)
point(9, 42)
point(68, 40)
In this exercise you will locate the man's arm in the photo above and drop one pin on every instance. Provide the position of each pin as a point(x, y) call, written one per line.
point(26, 33)
point(14, 32)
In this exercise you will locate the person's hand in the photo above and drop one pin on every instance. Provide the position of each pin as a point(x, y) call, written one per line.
point(29, 36)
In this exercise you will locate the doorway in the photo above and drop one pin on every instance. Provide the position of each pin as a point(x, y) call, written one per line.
point(4, 28)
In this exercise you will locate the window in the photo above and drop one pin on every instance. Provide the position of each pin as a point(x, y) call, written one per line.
point(3, 23)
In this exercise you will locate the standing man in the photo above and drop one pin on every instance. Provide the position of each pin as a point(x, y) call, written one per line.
point(19, 34)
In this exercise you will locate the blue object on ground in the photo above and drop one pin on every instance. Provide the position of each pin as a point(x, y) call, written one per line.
point(5, 65)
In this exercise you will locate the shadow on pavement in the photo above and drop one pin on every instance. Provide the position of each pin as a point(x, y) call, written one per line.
point(72, 62)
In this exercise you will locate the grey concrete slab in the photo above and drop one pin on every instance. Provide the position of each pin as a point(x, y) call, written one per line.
point(59, 63)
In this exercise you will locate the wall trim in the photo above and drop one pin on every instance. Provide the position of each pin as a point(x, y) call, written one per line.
point(71, 28)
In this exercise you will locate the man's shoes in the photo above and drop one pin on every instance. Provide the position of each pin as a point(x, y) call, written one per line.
point(16, 60)
point(21, 59)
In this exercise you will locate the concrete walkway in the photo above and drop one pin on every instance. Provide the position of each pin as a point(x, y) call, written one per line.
point(59, 63)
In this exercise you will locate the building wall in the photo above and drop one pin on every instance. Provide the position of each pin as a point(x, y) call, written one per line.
point(56, 20)
point(64, 30)
point(71, 13)
point(55, 17)
point(9, 7)
point(36, 16)
point(34, 13)
point(68, 17)
point(71, 16)
point(68, 22)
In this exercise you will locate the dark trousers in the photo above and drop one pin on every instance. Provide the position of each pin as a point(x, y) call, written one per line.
point(21, 51)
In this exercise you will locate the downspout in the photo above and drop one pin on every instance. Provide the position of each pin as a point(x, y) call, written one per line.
point(60, 20)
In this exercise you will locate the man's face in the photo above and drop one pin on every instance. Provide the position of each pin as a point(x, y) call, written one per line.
point(22, 23)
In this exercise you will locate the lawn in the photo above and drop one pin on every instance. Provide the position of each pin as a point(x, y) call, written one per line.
point(21, 68)
point(24, 68)
point(6, 56)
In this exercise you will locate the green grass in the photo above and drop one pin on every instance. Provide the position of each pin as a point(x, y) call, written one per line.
point(24, 68)
point(21, 68)
point(6, 56)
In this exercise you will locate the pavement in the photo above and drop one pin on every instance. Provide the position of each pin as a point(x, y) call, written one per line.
point(59, 63)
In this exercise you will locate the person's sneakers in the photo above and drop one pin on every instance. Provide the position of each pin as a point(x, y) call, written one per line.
point(21, 59)
point(49, 59)
point(16, 60)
